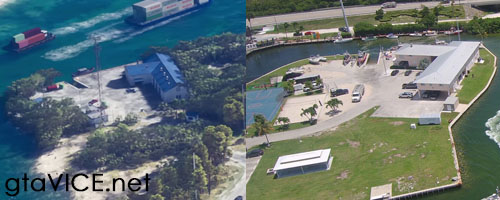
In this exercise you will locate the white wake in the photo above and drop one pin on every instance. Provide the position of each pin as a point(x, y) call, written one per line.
point(493, 124)
point(77, 26)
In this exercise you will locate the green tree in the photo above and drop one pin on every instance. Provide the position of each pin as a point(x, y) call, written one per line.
point(428, 18)
point(131, 119)
point(310, 112)
point(309, 85)
point(284, 121)
point(49, 74)
point(233, 112)
point(334, 103)
point(288, 86)
point(379, 14)
point(262, 126)
point(295, 24)
point(286, 25)
point(423, 63)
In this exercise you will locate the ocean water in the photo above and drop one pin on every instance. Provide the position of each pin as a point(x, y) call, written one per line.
point(476, 135)
point(74, 22)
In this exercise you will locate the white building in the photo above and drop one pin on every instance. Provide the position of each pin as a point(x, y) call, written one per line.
point(160, 71)
point(302, 163)
point(448, 64)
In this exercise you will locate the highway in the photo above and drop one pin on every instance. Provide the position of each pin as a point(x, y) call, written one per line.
point(350, 11)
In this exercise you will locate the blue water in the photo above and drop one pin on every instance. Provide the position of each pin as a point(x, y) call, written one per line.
point(74, 22)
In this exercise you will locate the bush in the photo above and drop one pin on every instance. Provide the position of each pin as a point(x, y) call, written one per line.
point(346, 35)
point(131, 119)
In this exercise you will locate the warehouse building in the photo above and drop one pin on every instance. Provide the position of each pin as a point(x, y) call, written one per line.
point(448, 64)
point(302, 163)
point(160, 71)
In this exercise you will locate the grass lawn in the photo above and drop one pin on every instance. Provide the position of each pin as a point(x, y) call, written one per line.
point(482, 73)
point(367, 152)
point(282, 70)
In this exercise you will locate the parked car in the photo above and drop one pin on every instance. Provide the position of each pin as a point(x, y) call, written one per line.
point(343, 29)
point(338, 92)
point(418, 73)
point(409, 86)
point(255, 153)
point(425, 94)
point(407, 72)
point(434, 95)
point(93, 101)
point(406, 95)
point(239, 198)
point(394, 72)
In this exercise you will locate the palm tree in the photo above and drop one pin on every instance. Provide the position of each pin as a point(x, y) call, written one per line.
point(250, 16)
point(262, 126)
point(294, 24)
point(334, 104)
point(286, 25)
point(284, 121)
point(310, 112)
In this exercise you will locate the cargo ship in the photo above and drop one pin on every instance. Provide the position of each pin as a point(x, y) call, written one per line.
point(150, 12)
point(28, 39)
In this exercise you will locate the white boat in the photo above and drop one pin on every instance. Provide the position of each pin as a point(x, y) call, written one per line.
point(392, 36)
point(440, 42)
point(415, 34)
point(314, 60)
point(342, 40)
point(321, 58)
point(369, 38)
point(431, 33)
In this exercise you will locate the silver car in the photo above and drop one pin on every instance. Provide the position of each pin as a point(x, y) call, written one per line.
point(406, 95)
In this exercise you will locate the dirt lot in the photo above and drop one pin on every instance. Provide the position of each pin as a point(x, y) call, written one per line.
point(113, 87)
point(380, 89)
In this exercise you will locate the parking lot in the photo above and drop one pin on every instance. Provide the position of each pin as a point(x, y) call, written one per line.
point(114, 94)
point(380, 89)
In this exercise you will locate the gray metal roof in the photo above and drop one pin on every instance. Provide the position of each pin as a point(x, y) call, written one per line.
point(145, 3)
point(423, 50)
point(447, 66)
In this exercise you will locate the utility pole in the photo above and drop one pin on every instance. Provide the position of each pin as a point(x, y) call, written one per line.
point(276, 23)
point(458, 26)
point(97, 52)
point(244, 109)
point(345, 18)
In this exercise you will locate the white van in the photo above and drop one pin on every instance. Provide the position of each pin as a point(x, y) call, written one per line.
point(358, 92)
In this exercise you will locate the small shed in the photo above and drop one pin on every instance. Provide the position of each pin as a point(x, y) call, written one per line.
point(451, 103)
point(430, 119)
point(381, 192)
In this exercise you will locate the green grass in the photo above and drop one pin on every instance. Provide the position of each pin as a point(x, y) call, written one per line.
point(482, 73)
point(325, 23)
point(397, 152)
point(282, 71)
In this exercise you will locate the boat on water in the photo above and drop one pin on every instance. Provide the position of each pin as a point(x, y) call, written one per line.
point(431, 33)
point(83, 71)
point(416, 34)
point(440, 42)
point(342, 40)
point(452, 32)
point(392, 36)
point(28, 39)
point(361, 57)
point(494, 196)
point(347, 58)
point(369, 38)
point(314, 60)
point(149, 12)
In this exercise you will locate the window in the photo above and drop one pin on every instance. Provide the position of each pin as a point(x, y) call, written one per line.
point(178, 96)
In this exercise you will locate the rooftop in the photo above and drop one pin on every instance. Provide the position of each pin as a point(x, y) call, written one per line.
point(452, 99)
point(447, 65)
point(144, 68)
point(302, 159)
point(423, 50)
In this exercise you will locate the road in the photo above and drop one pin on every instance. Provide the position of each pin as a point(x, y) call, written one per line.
point(350, 11)
point(332, 13)
point(239, 185)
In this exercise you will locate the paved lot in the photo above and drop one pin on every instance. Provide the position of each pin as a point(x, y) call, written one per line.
point(381, 90)
point(251, 164)
point(113, 87)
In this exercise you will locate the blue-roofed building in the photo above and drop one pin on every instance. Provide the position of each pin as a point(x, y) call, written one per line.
point(160, 71)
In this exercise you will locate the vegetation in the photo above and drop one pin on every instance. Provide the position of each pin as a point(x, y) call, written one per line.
point(334, 104)
point(279, 128)
point(477, 79)
point(262, 126)
point(310, 112)
point(328, 23)
point(214, 68)
point(366, 152)
point(412, 15)
point(47, 119)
